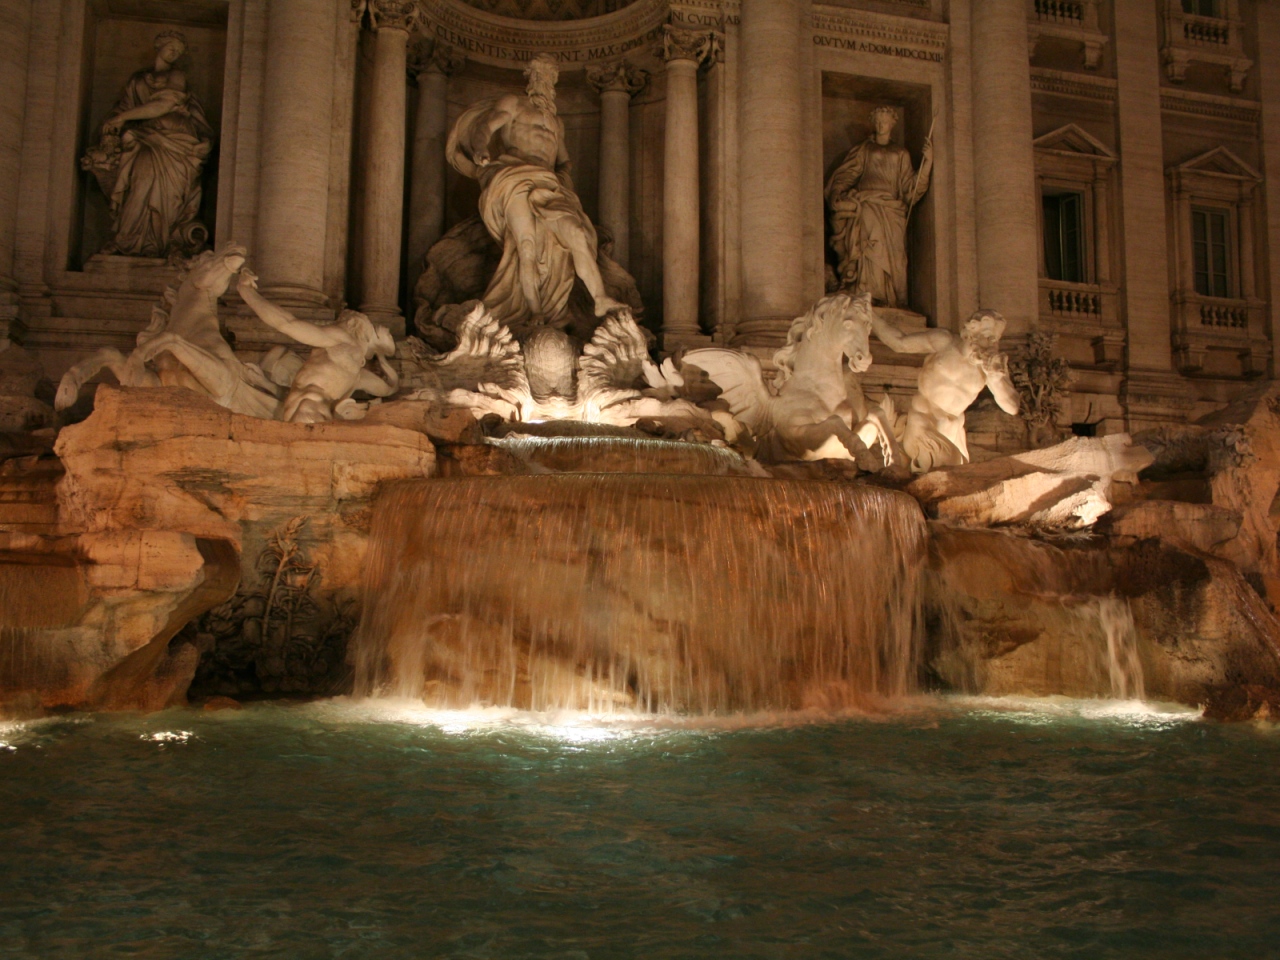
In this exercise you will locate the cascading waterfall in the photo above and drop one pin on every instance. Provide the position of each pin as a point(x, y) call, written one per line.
point(672, 593)
point(1123, 663)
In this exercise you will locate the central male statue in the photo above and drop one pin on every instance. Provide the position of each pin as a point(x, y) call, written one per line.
point(528, 202)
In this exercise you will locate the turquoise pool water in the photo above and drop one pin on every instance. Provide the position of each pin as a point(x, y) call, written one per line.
point(958, 829)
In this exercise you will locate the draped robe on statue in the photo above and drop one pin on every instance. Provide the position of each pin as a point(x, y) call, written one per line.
point(871, 194)
point(550, 197)
point(155, 199)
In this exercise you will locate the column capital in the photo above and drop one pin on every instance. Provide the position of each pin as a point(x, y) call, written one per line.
point(681, 44)
point(388, 14)
point(430, 56)
point(617, 76)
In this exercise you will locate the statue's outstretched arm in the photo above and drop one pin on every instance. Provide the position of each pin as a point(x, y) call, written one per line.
point(281, 319)
point(899, 341)
point(483, 130)
point(1001, 386)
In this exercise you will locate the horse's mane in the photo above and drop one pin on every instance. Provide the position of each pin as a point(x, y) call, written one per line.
point(827, 310)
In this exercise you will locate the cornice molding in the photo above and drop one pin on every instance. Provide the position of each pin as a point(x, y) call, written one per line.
point(1065, 84)
point(1201, 105)
point(506, 41)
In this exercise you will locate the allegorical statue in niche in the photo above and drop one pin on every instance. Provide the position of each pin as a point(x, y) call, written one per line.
point(150, 158)
point(515, 146)
point(871, 195)
point(954, 373)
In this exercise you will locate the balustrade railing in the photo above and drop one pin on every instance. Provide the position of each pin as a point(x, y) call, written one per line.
point(1075, 303)
point(1231, 315)
point(1061, 11)
point(1206, 30)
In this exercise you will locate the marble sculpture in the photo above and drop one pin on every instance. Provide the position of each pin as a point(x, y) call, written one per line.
point(805, 412)
point(514, 145)
point(871, 195)
point(184, 347)
point(955, 371)
point(150, 158)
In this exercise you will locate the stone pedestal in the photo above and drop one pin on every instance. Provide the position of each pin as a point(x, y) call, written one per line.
point(1004, 164)
point(433, 63)
point(384, 163)
point(15, 23)
point(296, 134)
point(684, 51)
point(772, 170)
point(617, 83)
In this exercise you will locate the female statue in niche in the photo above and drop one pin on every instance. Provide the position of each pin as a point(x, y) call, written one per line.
point(150, 158)
point(871, 195)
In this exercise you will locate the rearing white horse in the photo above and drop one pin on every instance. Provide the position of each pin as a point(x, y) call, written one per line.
point(805, 413)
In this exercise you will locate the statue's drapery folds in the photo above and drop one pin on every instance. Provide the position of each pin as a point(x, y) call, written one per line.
point(150, 159)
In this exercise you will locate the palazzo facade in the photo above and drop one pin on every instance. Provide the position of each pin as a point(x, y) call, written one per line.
point(1100, 168)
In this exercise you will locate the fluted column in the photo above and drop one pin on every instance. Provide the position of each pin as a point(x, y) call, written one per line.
point(433, 63)
point(683, 51)
point(1004, 164)
point(391, 21)
point(771, 147)
point(294, 167)
point(617, 83)
point(15, 29)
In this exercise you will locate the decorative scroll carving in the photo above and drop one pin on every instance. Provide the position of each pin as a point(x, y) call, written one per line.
point(429, 56)
point(681, 44)
point(617, 75)
point(389, 14)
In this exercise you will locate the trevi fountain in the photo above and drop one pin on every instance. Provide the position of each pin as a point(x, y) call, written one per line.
point(618, 478)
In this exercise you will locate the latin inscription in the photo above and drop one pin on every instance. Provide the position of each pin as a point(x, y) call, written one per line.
point(882, 49)
point(518, 55)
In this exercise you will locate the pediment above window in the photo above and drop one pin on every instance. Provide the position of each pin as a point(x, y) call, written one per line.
point(1075, 141)
point(1218, 162)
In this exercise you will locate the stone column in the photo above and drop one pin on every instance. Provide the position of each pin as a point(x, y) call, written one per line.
point(683, 50)
point(1142, 194)
point(1004, 164)
point(1102, 228)
point(15, 26)
point(294, 166)
point(433, 63)
point(617, 83)
point(770, 142)
point(391, 21)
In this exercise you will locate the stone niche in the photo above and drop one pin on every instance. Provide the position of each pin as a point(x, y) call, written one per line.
point(847, 102)
point(119, 41)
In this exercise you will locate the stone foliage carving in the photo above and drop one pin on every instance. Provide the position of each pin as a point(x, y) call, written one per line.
point(514, 145)
point(392, 14)
point(150, 158)
point(431, 56)
point(956, 369)
point(613, 380)
point(1043, 383)
point(805, 413)
point(870, 196)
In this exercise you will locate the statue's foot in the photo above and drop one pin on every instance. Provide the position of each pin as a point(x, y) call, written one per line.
point(607, 305)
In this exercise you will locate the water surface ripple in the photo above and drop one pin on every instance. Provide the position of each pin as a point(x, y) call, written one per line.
point(960, 830)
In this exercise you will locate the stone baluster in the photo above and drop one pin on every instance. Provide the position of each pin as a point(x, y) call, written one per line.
point(294, 165)
point(772, 176)
point(1004, 164)
point(683, 51)
point(15, 24)
point(617, 83)
point(433, 63)
point(391, 21)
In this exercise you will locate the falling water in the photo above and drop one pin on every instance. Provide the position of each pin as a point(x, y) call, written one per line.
point(606, 454)
point(692, 594)
point(1123, 664)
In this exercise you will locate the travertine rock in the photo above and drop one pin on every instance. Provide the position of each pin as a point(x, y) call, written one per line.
point(168, 502)
point(1068, 486)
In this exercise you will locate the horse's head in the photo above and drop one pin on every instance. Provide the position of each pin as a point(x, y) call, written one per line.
point(212, 270)
point(848, 319)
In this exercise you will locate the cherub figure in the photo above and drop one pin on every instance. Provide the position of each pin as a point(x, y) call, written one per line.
point(323, 386)
point(956, 371)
